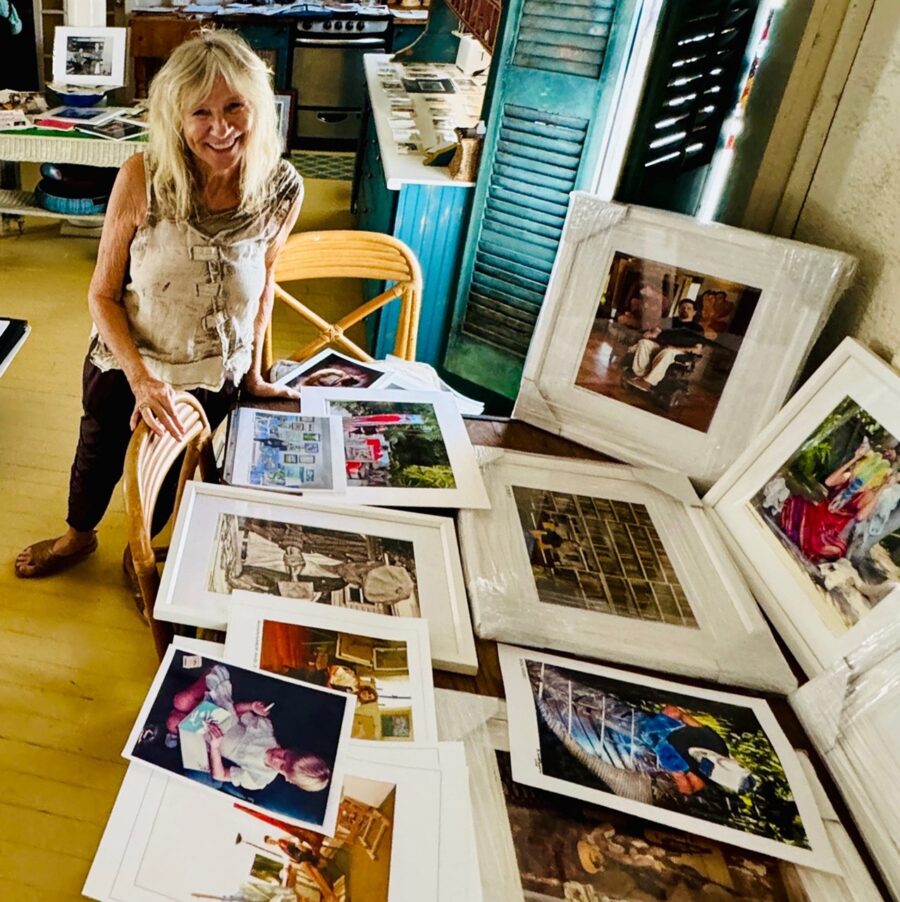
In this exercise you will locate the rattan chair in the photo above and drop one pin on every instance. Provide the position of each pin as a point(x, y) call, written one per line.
point(147, 463)
point(355, 255)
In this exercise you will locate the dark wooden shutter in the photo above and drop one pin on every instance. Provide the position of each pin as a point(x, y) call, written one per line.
point(545, 111)
point(692, 87)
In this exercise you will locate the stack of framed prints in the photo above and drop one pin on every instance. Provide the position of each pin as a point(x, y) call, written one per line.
point(388, 562)
point(403, 448)
point(668, 342)
point(710, 763)
point(541, 845)
point(614, 562)
point(811, 510)
point(850, 712)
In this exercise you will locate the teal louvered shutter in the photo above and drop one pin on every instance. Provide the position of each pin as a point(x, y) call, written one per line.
point(691, 88)
point(545, 123)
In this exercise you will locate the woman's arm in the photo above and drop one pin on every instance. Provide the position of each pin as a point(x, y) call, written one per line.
point(125, 212)
point(254, 381)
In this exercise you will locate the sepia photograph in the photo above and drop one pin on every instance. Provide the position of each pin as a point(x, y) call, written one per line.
point(835, 506)
point(664, 338)
point(703, 761)
point(327, 566)
point(270, 741)
point(600, 555)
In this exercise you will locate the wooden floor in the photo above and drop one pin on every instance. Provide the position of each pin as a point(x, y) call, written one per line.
point(76, 658)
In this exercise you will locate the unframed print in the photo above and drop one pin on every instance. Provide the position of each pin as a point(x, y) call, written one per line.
point(706, 762)
point(330, 369)
point(384, 663)
point(403, 448)
point(379, 561)
point(835, 506)
point(270, 741)
point(285, 452)
point(167, 840)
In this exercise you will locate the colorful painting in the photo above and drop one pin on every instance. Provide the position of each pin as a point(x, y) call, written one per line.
point(665, 338)
point(392, 443)
point(835, 506)
point(567, 849)
point(328, 566)
point(348, 663)
point(600, 555)
point(705, 759)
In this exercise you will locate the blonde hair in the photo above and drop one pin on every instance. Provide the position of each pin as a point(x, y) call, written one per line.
point(309, 772)
point(186, 79)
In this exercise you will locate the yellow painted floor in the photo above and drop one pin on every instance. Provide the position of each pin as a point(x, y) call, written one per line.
point(75, 658)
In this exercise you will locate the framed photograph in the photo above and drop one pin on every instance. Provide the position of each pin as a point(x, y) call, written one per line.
point(669, 342)
point(331, 369)
point(541, 845)
point(284, 452)
point(89, 56)
point(383, 663)
point(812, 508)
point(389, 562)
point(114, 130)
point(81, 115)
point(614, 562)
point(403, 448)
point(273, 742)
point(285, 105)
point(388, 841)
point(711, 763)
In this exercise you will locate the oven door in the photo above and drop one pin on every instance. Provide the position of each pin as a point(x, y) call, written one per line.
point(328, 73)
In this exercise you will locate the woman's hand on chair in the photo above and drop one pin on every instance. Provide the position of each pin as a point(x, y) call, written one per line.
point(260, 388)
point(154, 403)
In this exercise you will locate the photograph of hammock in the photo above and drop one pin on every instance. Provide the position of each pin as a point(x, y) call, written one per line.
point(707, 762)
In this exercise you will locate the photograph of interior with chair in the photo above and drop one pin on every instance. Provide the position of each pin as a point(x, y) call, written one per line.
point(354, 353)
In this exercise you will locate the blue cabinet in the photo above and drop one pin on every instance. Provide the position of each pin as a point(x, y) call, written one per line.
point(431, 219)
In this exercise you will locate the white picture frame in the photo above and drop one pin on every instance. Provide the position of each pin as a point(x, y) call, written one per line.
point(467, 489)
point(687, 611)
point(249, 463)
point(794, 286)
point(360, 373)
point(795, 597)
point(89, 56)
point(622, 751)
point(481, 724)
point(249, 615)
point(185, 595)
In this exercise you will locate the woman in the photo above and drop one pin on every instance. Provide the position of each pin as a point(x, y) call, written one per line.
point(183, 286)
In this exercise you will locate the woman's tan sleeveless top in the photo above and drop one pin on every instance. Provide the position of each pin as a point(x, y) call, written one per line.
point(193, 288)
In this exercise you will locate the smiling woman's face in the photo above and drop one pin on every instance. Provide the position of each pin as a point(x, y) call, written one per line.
point(215, 129)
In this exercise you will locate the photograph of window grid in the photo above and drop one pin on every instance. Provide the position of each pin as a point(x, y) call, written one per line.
point(600, 555)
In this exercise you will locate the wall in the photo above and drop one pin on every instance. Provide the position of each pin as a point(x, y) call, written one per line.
point(854, 199)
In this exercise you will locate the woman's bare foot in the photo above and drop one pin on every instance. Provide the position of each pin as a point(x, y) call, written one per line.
point(53, 555)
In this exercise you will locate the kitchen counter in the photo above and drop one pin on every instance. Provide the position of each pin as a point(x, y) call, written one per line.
point(396, 112)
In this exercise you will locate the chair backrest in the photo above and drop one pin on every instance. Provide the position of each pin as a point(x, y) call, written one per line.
point(148, 461)
point(350, 254)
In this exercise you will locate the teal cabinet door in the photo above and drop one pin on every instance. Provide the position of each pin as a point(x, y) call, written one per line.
point(554, 83)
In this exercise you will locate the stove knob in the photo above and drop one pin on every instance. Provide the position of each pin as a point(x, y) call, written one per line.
point(326, 25)
point(360, 25)
point(339, 25)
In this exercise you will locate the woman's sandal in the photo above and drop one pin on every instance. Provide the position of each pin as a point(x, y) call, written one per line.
point(45, 561)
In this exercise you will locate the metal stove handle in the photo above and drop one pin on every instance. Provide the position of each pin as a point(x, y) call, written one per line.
point(341, 42)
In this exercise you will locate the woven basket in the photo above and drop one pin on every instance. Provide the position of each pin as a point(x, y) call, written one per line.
point(464, 165)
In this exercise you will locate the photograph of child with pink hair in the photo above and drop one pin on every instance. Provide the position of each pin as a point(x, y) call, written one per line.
point(270, 742)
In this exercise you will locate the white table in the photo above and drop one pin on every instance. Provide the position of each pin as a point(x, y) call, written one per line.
point(22, 148)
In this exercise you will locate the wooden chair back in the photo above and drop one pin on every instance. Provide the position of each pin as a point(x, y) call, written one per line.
point(148, 461)
point(355, 255)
